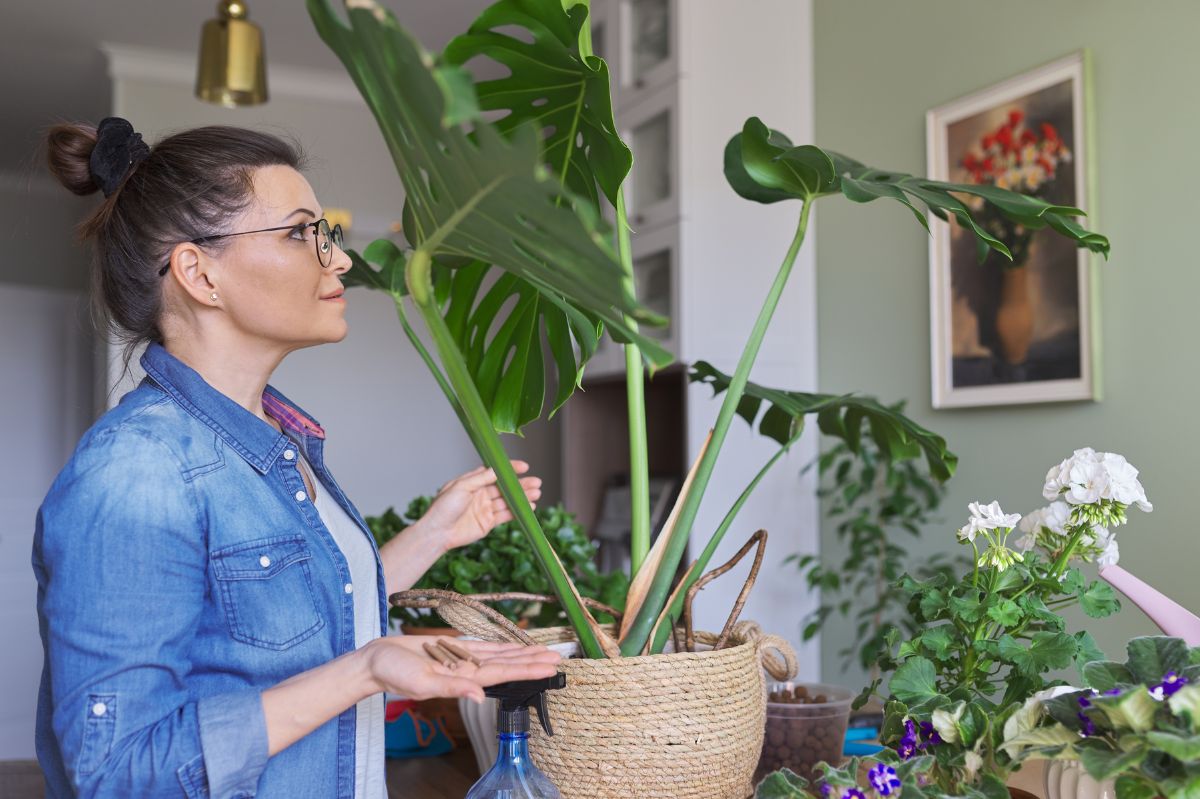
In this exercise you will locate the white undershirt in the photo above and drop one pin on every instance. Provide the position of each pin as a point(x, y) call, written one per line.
point(369, 772)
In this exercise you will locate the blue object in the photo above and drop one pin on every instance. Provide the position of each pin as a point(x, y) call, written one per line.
point(407, 733)
point(514, 776)
point(861, 741)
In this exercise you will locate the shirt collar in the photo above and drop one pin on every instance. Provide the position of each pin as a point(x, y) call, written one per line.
point(249, 436)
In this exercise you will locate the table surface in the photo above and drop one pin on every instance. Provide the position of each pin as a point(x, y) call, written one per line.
point(451, 775)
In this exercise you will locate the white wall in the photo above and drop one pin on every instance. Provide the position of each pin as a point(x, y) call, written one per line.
point(391, 434)
point(45, 358)
point(733, 68)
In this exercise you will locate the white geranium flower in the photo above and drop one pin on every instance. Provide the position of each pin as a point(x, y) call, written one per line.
point(1089, 483)
point(1109, 554)
point(1056, 517)
point(1124, 486)
point(972, 763)
point(1031, 523)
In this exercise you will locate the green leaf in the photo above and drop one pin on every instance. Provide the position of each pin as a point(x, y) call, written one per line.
point(390, 275)
point(1185, 749)
point(551, 85)
point(1104, 675)
point(914, 682)
point(1006, 613)
point(1129, 787)
point(1089, 651)
point(993, 787)
point(782, 784)
point(1103, 764)
point(897, 436)
point(1099, 600)
point(1044, 651)
point(479, 196)
point(1134, 709)
point(1152, 656)
point(763, 166)
point(938, 641)
point(1186, 703)
point(968, 608)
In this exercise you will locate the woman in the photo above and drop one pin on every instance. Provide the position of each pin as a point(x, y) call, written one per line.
point(212, 607)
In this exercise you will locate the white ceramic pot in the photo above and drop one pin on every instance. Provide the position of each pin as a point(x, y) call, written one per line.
point(1068, 779)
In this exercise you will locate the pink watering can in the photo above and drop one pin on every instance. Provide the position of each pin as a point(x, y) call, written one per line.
point(1174, 619)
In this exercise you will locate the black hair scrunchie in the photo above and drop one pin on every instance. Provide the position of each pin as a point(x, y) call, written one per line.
point(118, 149)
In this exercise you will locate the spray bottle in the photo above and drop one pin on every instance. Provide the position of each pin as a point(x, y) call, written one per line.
point(514, 776)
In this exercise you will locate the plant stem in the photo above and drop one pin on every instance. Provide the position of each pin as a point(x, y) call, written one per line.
point(477, 420)
point(639, 467)
point(675, 610)
point(652, 607)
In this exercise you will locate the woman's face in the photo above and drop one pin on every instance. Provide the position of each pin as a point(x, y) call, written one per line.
point(272, 284)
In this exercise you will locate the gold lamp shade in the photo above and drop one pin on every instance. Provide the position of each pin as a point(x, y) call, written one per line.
point(232, 71)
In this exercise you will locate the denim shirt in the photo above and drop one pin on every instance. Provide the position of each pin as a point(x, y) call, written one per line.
point(182, 569)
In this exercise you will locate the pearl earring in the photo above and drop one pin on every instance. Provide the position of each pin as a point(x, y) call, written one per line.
point(214, 296)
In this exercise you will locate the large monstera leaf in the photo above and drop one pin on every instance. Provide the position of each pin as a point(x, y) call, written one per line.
point(552, 86)
point(761, 164)
point(478, 195)
point(842, 416)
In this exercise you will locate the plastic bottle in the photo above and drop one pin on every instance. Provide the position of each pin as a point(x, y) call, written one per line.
point(514, 776)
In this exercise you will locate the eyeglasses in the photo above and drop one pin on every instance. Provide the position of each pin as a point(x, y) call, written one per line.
point(326, 239)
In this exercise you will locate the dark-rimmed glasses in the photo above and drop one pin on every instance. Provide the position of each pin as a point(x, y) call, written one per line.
point(326, 239)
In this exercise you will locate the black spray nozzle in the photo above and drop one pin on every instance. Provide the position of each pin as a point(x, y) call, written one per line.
point(516, 697)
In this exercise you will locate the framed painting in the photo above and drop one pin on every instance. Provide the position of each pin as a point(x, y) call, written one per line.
point(1020, 331)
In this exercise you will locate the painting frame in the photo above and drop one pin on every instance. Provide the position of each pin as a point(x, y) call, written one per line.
point(949, 388)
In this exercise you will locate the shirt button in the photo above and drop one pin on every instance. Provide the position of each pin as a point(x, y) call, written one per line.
point(264, 561)
point(289, 454)
point(349, 588)
point(301, 496)
point(99, 709)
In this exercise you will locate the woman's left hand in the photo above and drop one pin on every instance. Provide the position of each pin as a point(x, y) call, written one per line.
point(468, 507)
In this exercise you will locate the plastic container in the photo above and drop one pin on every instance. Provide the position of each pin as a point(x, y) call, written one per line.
point(799, 736)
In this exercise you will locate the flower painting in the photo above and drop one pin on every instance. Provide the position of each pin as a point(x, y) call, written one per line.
point(1012, 331)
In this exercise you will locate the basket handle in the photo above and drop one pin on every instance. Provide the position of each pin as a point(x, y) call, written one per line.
point(759, 538)
point(469, 615)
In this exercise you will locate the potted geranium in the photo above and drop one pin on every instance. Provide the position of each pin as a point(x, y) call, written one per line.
point(1134, 729)
point(989, 638)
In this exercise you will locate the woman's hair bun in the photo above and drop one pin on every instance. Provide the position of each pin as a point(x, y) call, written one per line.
point(68, 154)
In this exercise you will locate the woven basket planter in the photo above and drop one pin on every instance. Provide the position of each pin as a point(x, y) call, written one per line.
point(683, 725)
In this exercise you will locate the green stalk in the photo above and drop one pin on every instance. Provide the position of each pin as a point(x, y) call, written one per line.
point(676, 608)
point(660, 588)
point(635, 399)
point(478, 422)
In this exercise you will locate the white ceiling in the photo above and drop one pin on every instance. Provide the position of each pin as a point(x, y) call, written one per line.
point(50, 56)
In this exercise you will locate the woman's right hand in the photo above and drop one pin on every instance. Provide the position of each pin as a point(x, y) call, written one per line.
point(399, 664)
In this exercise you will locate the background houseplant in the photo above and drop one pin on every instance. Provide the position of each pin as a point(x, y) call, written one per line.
point(989, 638)
point(503, 562)
point(522, 196)
point(873, 501)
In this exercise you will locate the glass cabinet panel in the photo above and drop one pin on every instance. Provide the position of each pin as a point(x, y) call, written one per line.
point(650, 39)
point(651, 145)
point(652, 275)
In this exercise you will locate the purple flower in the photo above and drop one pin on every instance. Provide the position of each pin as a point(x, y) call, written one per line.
point(883, 779)
point(1086, 725)
point(908, 742)
point(1171, 682)
point(1113, 692)
point(853, 793)
point(929, 735)
point(826, 789)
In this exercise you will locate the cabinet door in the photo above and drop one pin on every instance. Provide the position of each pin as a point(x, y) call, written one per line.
point(651, 130)
point(648, 43)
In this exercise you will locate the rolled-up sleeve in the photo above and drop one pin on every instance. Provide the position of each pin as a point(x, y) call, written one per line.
point(121, 558)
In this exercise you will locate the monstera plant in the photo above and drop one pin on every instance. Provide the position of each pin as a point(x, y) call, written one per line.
point(516, 276)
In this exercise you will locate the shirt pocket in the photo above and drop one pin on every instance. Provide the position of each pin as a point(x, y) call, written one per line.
point(266, 589)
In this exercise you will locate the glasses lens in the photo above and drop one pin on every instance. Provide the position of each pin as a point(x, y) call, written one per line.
point(324, 245)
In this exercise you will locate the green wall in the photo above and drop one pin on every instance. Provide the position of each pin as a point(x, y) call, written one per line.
point(879, 65)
